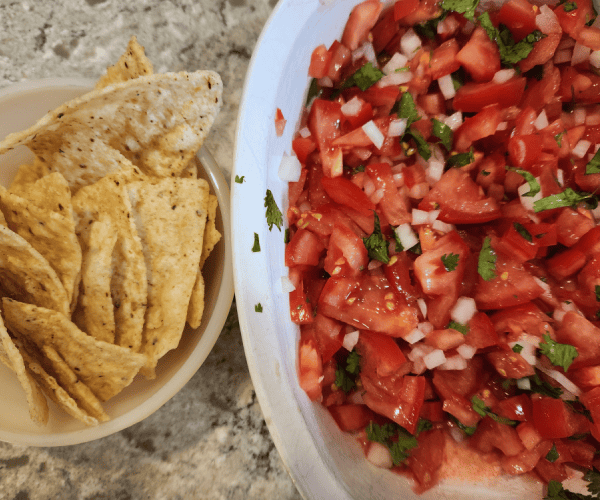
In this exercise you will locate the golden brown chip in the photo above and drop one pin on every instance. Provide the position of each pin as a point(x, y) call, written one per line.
point(105, 368)
point(95, 298)
point(170, 216)
point(25, 275)
point(132, 117)
point(191, 169)
point(211, 234)
point(132, 64)
point(51, 192)
point(196, 305)
point(11, 357)
point(128, 274)
point(50, 233)
point(26, 175)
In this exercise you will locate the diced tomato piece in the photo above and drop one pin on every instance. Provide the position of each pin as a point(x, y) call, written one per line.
point(586, 377)
point(577, 331)
point(525, 318)
point(324, 120)
point(473, 97)
point(397, 271)
point(304, 249)
point(444, 59)
point(524, 150)
point(344, 192)
point(346, 253)
point(491, 434)
point(480, 56)
point(403, 8)
point(530, 436)
point(515, 408)
point(384, 30)
point(303, 146)
point(510, 364)
point(280, 122)
point(514, 243)
point(362, 18)
point(351, 417)
point(552, 418)
point(319, 62)
point(300, 308)
point(426, 460)
point(481, 332)
point(432, 411)
point(526, 460)
point(328, 335)
point(571, 225)
point(394, 205)
point(310, 367)
point(519, 17)
point(341, 56)
point(379, 353)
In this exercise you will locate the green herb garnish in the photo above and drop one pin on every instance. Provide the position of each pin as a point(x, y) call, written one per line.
point(486, 266)
point(534, 185)
point(559, 354)
point(258, 308)
point(239, 179)
point(484, 411)
point(523, 232)
point(256, 246)
point(450, 261)
point(593, 167)
point(459, 327)
point(376, 244)
point(568, 198)
point(460, 159)
point(273, 214)
point(443, 132)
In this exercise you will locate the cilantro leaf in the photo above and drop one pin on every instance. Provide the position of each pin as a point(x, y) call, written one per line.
point(286, 236)
point(450, 261)
point(366, 76)
point(343, 381)
point(258, 308)
point(465, 7)
point(486, 266)
point(376, 244)
point(480, 408)
point(593, 167)
point(460, 159)
point(558, 139)
point(459, 327)
point(345, 374)
point(353, 363)
point(239, 179)
point(517, 348)
point(422, 145)
point(559, 354)
point(552, 456)
point(314, 91)
point(256, 246)
point(534, 185)
point(597, 292)
point(593, 477)
point(408, 110)
point(423, 425)
point(394, 437)
point(443, 132)
point(557, 492)
point(568, 198)
point(569, 6)
point(523, 232)
point(542, 387)
point(273, 214)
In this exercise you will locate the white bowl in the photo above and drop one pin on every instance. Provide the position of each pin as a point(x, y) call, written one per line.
point(324, 462)
point(21, 105)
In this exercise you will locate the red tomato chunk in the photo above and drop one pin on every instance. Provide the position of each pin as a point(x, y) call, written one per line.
point(444, 242)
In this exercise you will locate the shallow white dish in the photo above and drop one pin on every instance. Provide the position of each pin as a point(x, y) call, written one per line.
point(21, 105)
point(324, 463)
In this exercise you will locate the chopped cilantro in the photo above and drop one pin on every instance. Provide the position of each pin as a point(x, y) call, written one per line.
point(458, 78)
point(569, 6)
point(258, 308)
point(468, 430)
point(556, 490)
point(286, 236)
point(593, 167)
point(416, 249)
point(485, 173)
point(443, 132)
point(366, 76)
point(460, 159)
point(542, 387)
point(523, 232)
point(394, 437)
point(423, 425)
point(407, 109)
point(356, 170)
point(593, 477)
point(552, 456)
point(343, 381)
point(428, 29)
point(345, 374)
point(486, 266)
point(314, 90)
point(459, 327)
point(450, 261)
point(256, 246)
point(534, 185)
point(559, 354)
point(239, 179)
point(273, 214)
point(464, 7)
point(376, 244)
point(422, 145)
point(481, 409)
point(558, 139)
point(517, 348)
point(568, 198)
point(597, 291)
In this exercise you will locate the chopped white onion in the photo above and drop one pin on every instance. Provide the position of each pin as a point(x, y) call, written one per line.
point(369, 186)
point(379, 455)
point(547, 293)
point(466, 351)
point(464, 309)
point(398, 179)
point(304, 132)
point(581, 148)
point(414, 336)
point(434, 359)
point(528, 201)
point(397, 127)
point(547, 21)
point(434, 171)
point(419, 351)
point(454, 120)
point(541, 121)
point(433, 215)
point(595, 58)
point(410, 43)
point(406, 235)
point(286, 285)
point(524, 384)
point(350, 340)
point(422, 307)
point(592, 120)
point(456, 434)
point(527, 351)
point(397, 78)
point(447, 86)
point(373, 133)
point(441, 226)
point(560, 177)
point(503, 75)
point(352, 107)
point(369, 53)
point(377, 196)
point(419, 217)
point(579, 116)
point(560, 378)
point(396, 62)
point(325, 82)
point(290, 168)
point(453, 363)
point(426, 327)
point(581, 53)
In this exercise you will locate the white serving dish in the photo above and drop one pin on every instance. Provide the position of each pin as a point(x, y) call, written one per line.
point(21, 105)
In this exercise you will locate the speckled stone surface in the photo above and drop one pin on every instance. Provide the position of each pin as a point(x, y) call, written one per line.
point(210, 441)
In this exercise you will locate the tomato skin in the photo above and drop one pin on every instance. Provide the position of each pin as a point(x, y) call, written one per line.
point(483, 124)
point(481, 332)
point(379, 353)
point(310, 366)
point(480, 56)
point(426, 460)
point(524, 150)
point(362, 18)
point(394, 205)
point(491, 434)
point(403, 8)
point(571, 226)
point(323, 122)
point(300, 310)
point(346, 253)
point(397, 273)
point(344, 192)
point(473, 97)
point(319, 62)
point(328, 335)
point(552, 418)
point(510, 364)
point(444, 59)
point(516, 408)
point(519, 17)
point(304, 249)
point(584, 336)
point(351, 417)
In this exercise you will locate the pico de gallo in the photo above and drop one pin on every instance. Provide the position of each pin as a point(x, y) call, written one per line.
point(443, 244)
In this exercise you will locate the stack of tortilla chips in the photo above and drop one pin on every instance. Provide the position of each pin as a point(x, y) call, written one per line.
point(103, 237)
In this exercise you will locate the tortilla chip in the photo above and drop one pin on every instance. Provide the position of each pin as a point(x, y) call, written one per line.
point(11, 357)
point(68, 380)
point(52, 193)
point(129, 279)
point(132, 117)
point(132, 64)
point(170, 215)
point(50, 233)
point(26, 175)
point(191, 169)
point(95, 298)
point(26, 276)
point(105, 368)
point(196, 305)
point(211, 234)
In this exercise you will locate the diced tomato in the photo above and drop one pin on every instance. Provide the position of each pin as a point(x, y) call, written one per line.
point(481, 332)
point(362, 18)
point(393, 204)
point(444, 59)
point(480, 56)
point(514, 243)
point(384, 30)
point(344, 192)
point(310, 367)
point(351, 417)
point(519, 17)
point(328, 335)
point(300, 308)
point(403, 8)
point(515, 408)
point(530, 436)
point(552, 418)
point(319, 62)
point(426, 460)
point(346, 253)
point(494, 435)
point(340, 58)
point(510, 364)
point(304, 249)
point(324, 120)
point(577, 331)
point(571, 225)
point(473, 97)
point(303, 146)
point(379, 353)
point(280, 122)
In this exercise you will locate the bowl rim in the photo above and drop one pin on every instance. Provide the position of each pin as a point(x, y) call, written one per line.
point(212, 330)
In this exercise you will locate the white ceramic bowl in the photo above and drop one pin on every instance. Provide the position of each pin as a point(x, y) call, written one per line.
point(323, 462)
point(21, 105)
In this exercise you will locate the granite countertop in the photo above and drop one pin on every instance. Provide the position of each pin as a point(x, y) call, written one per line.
point(210, 441)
